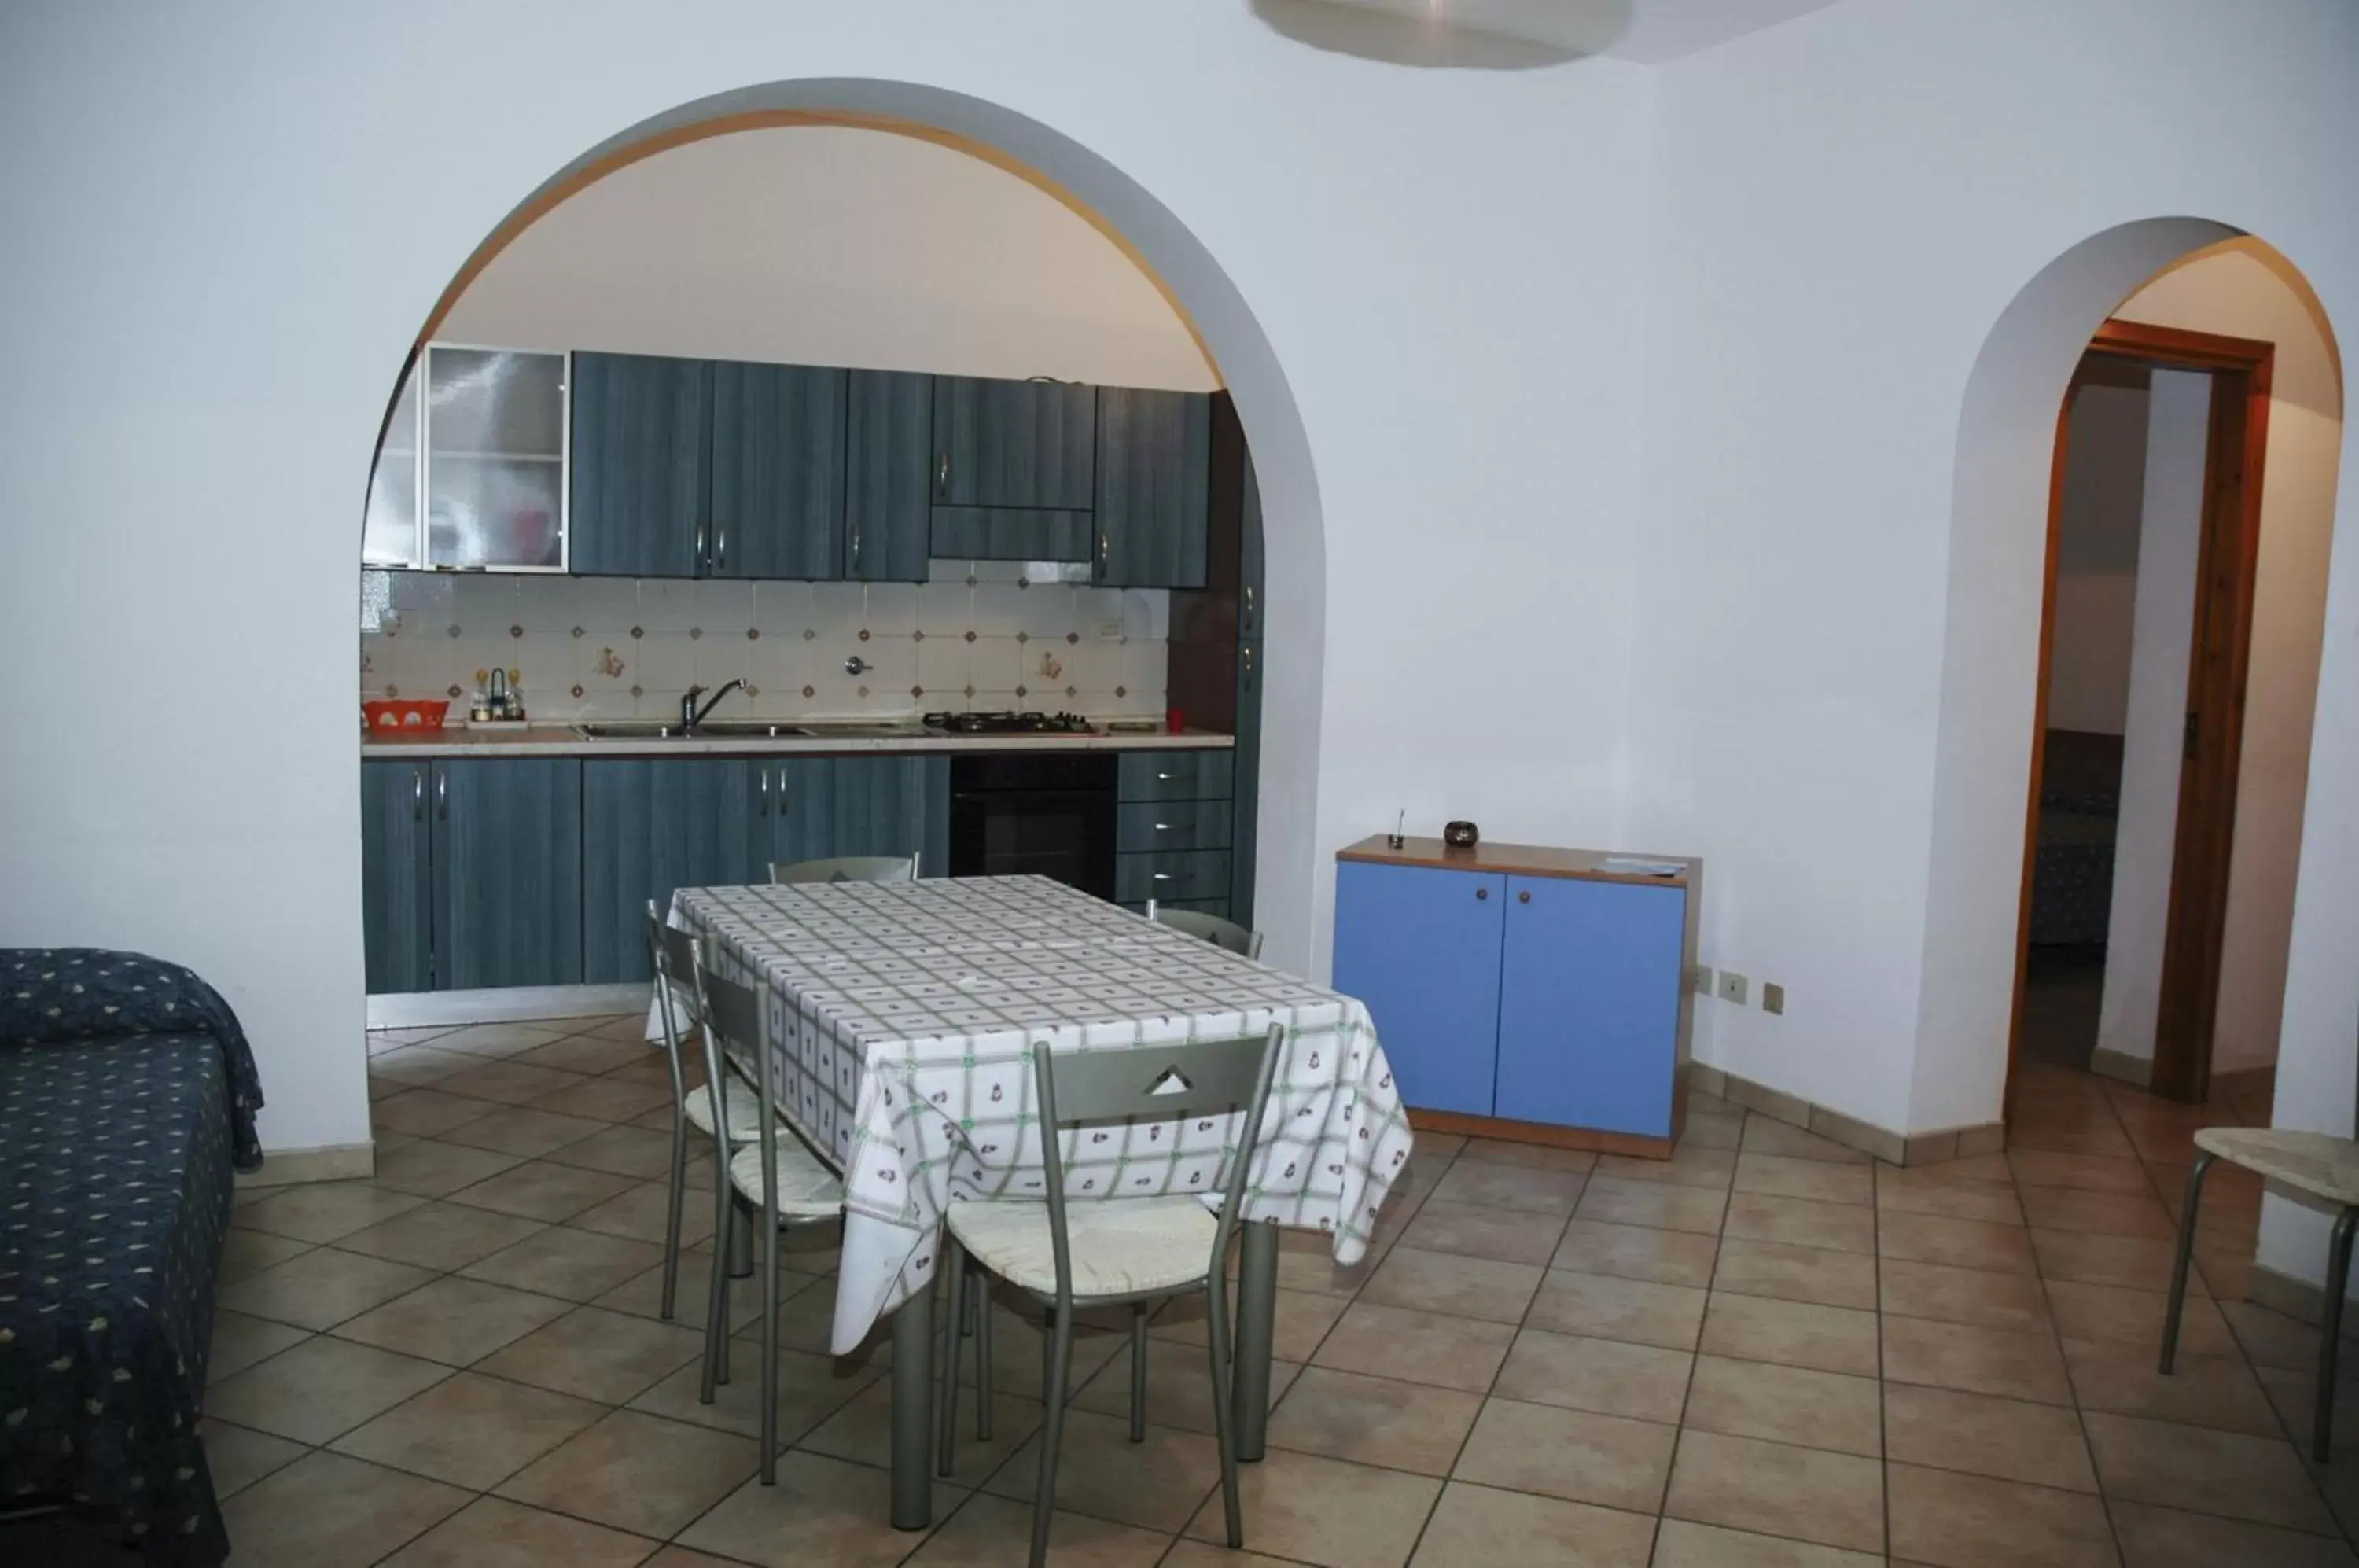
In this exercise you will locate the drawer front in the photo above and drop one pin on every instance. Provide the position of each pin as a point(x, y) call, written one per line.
point(1174, 824)
point(1202, 906)
point(1179, 877)
point(1176, 774)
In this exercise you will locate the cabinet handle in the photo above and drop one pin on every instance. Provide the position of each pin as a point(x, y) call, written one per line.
point(765, 791)
point(1247, 652)
point(782, 790)
point(1249, 599)
point(1172, 877)
point(943, 475)
point(1104, 545)
point(1524, 897)
point(442, 796)
point(1482, 892)
point(417, 797)
point(1165, 777)
point(721, 547)
point(856, 547)
point(704, 556)
point(1163, 827)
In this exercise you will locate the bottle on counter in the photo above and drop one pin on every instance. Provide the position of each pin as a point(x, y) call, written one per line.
point(480, 710)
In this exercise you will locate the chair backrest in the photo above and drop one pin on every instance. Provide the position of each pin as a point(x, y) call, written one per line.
point(733, 1014)
point(1221, 933)
point(848, 868)
point(674, 988)
point(1170, 1083)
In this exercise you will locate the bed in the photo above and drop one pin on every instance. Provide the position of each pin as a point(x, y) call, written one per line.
point(128, 1097)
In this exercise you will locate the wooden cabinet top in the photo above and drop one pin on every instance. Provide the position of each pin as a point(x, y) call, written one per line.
point(1518, 860)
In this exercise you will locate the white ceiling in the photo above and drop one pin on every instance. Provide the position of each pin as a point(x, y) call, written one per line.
point(1513, 34)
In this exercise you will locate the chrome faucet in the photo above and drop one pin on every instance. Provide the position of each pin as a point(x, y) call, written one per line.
point(691, 715)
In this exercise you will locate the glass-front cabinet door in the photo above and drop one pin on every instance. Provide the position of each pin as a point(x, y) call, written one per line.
point(495, 471)
point(389, 535)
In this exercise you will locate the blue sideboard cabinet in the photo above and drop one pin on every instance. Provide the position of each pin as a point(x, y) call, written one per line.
point(1523, 992)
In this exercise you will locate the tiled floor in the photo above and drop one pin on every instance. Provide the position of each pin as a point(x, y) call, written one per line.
point(1764, 1352)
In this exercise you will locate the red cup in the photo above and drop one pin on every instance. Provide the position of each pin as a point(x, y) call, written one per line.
point(1175, 721)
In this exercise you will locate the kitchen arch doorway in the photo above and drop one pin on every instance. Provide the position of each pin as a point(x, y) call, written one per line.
point(1993, 686)
point(1199, 292)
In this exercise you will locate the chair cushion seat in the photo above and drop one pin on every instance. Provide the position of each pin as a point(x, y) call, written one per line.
point(2317, 1163)
point(742, 1106)
point(807, 1189)
point(1120, 1248)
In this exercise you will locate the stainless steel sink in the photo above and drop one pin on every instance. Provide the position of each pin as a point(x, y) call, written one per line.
point(629, 729)
point(746, 729)
point(760, 729)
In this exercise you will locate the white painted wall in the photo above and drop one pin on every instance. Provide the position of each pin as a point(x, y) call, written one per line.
point(2171, 537)
point(829, 246)
point(2097, 561)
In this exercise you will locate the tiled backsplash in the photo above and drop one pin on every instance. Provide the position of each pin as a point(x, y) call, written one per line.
point(980, 635)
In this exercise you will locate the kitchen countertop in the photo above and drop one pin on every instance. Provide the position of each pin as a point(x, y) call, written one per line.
point(1520, 860)
point(562, 740)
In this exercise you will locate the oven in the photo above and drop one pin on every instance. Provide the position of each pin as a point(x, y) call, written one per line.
point(1016, 813)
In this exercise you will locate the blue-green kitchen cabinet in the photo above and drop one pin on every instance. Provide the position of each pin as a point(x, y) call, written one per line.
point(1014, 443)
point(777, 479)
point(640, 471)
point(652, 824)
point(821, 807)
point(471, 873)
point(1523, 991)
point(1153, 488)
point(888, 476)
point(397, 875)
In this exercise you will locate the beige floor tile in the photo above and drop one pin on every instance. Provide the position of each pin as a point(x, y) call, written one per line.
point(631, 1027)
point(320, 1389)
point(238, 1456)
point(1690, 1165)
point(1784, 1176)
point(1775, 1488)
point(598, 1354)
point(2168, 1537)
point(1605, 1307)
point(1325, 1512)
point(1949, 1294)
point(2119, 1315)
point(519, 1130)
point(1927, 1190)
point(2002, 1362)
point(1787, 1404)
point(428, 1112)
point(240, 1340)
point(641, 1212)
point(1683, 1544)
point(433, 1168)
point(1531, 1156)
point(1961, 1244)
point(1802, 1222)
point(810, 1389)
point(414, 1066)
point(469, 1431)
point(862, 1432)
point(1797, 1273)
point(2271, 1338)
point(324, 1211)
point(1955, 1520)
point(1663, 1204)
point(642, 1295)
point(1202, 1554)
point(441, 1236)
point(574, 1264)
point(453, 1320)
point(490, 1533)
point(328, 1511)
point(1510, 1235)
point(1989, 1166)
point(320, 1288)
point(1020, 1347)
point(1579, 1455)
point(1724, 1131)
point(635, 1471)
point(1791, 1334)
point(1764, 1134)
point(2095, 1173)
point(1465, 1287)
point(1612, 1376)
point(607, 1099)
point(2141, 1262)
point(1178, 1386)
point(2100, 1213)
point(388, 1039)
point(593, 1054)
point(541, 1190)
point(1510, 1187)
point(1637, 1252)
point(1155, 1485)
point(987, 1532)
point(1512, 1529)
point(247, 1253)
point(2011, 1439)
point(2211, 1472)
point(1370, 1421)
point(1423, 1347)
point(501, 1039)
point(640, 1153)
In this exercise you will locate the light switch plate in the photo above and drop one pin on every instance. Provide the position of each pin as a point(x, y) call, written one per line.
point(1732, 987)
point(1700, 979)
point(1773, 998)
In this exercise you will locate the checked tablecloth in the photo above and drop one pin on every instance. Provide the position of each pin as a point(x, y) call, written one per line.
point(901, 1016)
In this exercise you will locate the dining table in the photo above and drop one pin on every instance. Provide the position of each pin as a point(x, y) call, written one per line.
point(900, 1019)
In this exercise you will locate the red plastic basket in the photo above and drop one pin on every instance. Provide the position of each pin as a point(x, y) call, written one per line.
point(405, 712)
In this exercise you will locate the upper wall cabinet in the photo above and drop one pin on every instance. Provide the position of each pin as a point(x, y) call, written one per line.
point(777, 472)
point(1012, 443)
point(642, 428)
point(1153, 499)
point(888, 476)
point(485, 447)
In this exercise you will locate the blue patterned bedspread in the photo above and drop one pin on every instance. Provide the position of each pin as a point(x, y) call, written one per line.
point(117, 1147)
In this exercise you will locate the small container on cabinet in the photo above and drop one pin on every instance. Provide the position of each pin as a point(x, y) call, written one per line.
point(1521, 991)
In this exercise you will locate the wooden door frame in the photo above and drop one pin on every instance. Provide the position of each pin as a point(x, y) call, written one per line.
point(2220, 656)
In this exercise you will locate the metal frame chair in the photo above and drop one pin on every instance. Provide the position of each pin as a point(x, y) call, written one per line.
point(1004, 1236)
point(1222, 933)
point(847, 868)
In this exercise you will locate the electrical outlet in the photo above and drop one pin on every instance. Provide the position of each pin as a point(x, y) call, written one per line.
point(1773, 998)
point(1700, 979)
point(1732, 987)
point(1109, 631)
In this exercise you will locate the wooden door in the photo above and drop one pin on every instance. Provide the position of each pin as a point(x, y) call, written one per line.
point(1153, 488)
point(396, 876)
point(1420, 947)
point(888, 476)
point(1590, 983)
point(778, 471)
point(507, 872)
point(642, 429)
point(651, 825)
point(1012, 443)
